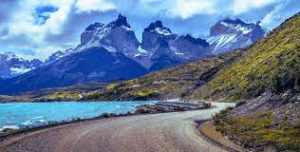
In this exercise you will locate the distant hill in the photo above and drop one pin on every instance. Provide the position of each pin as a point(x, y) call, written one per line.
point(92, 64)
point(175, 82)
point(12, 65)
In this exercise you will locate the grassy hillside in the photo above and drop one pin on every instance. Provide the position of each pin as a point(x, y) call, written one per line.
point(268, 123)
point(271, 69)
point(272, 64)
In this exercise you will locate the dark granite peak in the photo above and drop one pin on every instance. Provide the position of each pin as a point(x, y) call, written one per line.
point(156, 24)
point(121, 21)
point(94, 26)
point(232, 21)
point(196, 40)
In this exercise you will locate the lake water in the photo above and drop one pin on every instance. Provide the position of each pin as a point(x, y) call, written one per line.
point(22, 115)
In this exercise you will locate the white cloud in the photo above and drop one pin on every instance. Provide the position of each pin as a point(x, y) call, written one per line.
point(23, 21)
point(25, 33)
point(241, 6)
point(19, 29)
point(94, 5)
point(188, 8)
point(281, 12)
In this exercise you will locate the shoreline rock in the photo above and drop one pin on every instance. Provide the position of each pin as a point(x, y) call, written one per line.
point(161, 107)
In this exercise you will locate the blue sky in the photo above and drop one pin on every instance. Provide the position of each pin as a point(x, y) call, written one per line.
point(37, 28)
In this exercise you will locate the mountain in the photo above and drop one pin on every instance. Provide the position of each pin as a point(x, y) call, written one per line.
point(227, 35)
point(189, 48)
point(154, 35)
point(117, 36)
point(91, 64)
point(105, 53)
point(11, 65)
point(171, 83)
point(57, 55)
point(165, 48)
point(159, 49)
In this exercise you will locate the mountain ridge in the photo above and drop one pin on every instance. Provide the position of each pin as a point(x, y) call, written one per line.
point(159, 49)
point(12, 65)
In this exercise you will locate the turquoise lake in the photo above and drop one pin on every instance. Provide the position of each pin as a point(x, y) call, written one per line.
point(22, 115)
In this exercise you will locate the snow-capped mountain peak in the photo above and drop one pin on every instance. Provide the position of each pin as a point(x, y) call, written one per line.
point(237, 27)
point(227, 35)
point(116, 36)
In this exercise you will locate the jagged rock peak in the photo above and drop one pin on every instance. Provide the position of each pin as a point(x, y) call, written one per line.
point(94, 26)
point(7, 55)
point(196, 40)
point(232, 21)
point(158, 27)
point(120, 21)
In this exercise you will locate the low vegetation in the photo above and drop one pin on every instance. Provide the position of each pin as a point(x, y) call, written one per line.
point(259, 132)
point(60, 96)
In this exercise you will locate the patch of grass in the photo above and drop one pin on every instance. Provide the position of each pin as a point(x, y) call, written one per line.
point(258, 132)
point(61, 95)
point(178, 108)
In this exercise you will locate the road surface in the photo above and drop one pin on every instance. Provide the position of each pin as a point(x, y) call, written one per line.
point(166, 132)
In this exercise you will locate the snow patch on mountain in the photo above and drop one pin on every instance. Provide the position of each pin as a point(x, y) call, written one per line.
point(161, 31)
point(127, 28)
point(141, 50)
point(222, 40)
point(237, 27)
point(20, 70)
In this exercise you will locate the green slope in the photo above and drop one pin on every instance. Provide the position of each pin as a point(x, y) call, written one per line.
point(272, 64)
point(271, 69)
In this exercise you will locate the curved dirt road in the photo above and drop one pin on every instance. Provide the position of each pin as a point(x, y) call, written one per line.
point(150, 133)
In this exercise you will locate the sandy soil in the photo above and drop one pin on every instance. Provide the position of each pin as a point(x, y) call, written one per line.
point(174, 132)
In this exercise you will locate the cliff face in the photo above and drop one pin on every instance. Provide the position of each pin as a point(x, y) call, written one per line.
point(227, 35)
